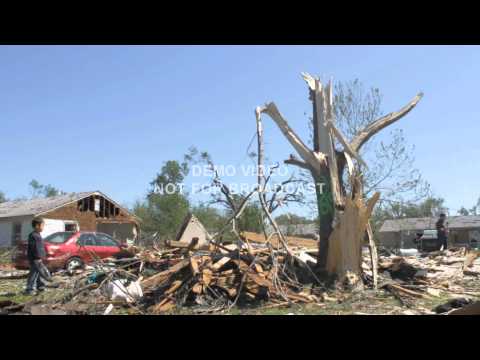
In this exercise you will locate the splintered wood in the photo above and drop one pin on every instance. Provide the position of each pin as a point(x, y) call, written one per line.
point(219, 279)
point(429, 275)
point(345, 256)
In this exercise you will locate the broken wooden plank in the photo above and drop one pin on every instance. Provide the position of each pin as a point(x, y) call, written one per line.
point(216, 266)
point(258, 268)
point(175, 285)
point(164, 306)
point(407, 291)
point(197, 288)
point(160, 277)
point(206, 277)
point(194, 265)
point(470, 258)
point(183, 245)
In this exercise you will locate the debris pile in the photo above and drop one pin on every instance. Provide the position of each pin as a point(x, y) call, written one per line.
point(427, 275)
point(214, 278)
point(212, 281)
point(209, 279)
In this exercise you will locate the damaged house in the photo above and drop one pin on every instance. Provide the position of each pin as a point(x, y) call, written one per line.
point(85, 211)
point(399, 233)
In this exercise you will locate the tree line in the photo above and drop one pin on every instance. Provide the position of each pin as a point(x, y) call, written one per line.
point(37, 190)
point(163, 212)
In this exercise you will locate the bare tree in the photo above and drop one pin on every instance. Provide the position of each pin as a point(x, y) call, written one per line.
point(391, 167)
point(343, 218)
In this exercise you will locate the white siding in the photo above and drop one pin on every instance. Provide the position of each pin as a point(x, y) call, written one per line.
point(52, 226)
point(6, 234)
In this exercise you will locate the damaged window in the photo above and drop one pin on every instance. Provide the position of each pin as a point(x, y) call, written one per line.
point(101, 206)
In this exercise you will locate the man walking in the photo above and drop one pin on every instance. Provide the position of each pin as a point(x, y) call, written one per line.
point(35, 253)
point(442, 232)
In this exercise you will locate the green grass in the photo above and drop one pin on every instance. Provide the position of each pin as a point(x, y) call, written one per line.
point(13, 290)
point(6, 256)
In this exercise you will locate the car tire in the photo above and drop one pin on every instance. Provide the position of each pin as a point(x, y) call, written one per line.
point(74, 263)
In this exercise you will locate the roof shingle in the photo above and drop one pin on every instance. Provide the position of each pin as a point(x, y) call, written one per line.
point(453, 222)
point(38, 206)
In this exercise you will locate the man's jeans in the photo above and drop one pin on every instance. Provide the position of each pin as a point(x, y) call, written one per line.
point(37, 273)
point(443, 242)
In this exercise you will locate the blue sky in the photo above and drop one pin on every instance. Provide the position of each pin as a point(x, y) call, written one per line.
point(106, 117)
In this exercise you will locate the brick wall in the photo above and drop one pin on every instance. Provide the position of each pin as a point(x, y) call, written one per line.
point(87, 219)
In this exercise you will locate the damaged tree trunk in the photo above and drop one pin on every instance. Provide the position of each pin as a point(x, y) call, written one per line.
point(343, 218)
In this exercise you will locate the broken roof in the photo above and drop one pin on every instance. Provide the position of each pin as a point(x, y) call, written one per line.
point(453, 222)
point(39, 206)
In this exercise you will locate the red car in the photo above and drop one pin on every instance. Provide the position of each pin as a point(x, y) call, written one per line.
point(70, 250)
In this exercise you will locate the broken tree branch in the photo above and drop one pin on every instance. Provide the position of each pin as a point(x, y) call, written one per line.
point(364, 135)
point(235, 216)
point(305, 153)
point(261, 177)
point(296, 162)
point(347, 147)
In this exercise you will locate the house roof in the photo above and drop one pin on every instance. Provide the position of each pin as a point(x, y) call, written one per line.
point(188, 219)
point(39, 206)
point(300, 229)
point(453, 222)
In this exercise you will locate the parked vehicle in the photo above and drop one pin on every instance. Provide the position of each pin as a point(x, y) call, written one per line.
point(428, 241)
point(70, 250)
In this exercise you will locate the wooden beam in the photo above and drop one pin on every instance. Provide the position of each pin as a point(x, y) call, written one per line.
point(161, 276)
point(184, 245)
point(373, 255)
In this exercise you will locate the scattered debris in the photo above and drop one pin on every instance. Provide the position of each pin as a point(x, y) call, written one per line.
point(118, 290)
point(428, 275)
point(11, 275)
point(214, 278)
point(45, 310)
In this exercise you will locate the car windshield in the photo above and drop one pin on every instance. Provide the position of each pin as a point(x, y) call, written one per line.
point(59, 237)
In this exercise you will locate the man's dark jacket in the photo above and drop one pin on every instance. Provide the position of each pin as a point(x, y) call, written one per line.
point(36, 247)
point(440, 225)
